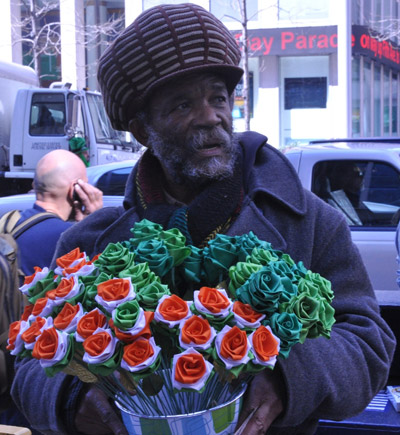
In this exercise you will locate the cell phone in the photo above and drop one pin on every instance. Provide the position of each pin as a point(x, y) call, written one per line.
point(75, 196)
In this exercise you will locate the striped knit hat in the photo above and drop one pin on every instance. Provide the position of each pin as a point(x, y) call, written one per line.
point(163, 43)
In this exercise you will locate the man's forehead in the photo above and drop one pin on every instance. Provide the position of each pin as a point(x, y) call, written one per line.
point(187, 84)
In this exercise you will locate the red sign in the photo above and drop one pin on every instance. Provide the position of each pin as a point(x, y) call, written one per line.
point(289, 41)
point(365, 42)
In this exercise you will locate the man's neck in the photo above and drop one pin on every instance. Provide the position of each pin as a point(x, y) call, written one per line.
point(51, 208)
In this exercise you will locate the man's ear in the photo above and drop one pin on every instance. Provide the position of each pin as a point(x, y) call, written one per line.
point(137, 128)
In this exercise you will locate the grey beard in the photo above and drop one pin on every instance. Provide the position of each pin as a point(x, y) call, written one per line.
point(182, 170)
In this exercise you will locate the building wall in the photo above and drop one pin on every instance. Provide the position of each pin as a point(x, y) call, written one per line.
point(296, 47)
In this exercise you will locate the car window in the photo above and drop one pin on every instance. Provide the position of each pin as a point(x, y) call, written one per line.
point(366, 192)
point(113, 182)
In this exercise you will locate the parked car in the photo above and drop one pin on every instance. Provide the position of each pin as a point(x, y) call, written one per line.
point(361, 178)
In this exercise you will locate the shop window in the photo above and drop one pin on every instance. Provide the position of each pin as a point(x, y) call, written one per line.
point(305, 93)
point(304, 10)
point(231, 11)
point(395, 98)
point(366, 192)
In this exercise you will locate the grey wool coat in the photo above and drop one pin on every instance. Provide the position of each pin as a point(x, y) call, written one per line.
point(331, 379)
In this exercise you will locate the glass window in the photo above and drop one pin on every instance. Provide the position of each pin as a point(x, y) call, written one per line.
point(231, 12)
point(113, 182)
point(303, 10)
point(47, 115)
point(377, 100)
point(366, 192)
point(395, 98)
point(355, 109)
point(305, 92)
point(366, 111)
point(386, 102)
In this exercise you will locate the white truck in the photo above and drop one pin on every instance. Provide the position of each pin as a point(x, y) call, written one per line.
point(34, 121)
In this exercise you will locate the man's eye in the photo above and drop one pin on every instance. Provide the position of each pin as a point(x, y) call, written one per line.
point(220, 99)
point(182, 106)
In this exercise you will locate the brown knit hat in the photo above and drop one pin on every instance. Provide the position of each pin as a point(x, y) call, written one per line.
point(163, 43)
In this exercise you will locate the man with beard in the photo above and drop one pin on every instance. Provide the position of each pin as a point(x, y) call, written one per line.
point(169, 78)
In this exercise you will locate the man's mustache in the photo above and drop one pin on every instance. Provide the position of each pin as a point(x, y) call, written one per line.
point(207, 138)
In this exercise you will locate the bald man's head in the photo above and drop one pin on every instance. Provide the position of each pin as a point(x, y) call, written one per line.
point(56, 171)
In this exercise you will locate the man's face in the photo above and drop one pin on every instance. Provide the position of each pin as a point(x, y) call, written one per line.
point(190, 129)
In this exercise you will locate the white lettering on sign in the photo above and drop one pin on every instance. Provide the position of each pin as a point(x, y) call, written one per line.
point(46, 145)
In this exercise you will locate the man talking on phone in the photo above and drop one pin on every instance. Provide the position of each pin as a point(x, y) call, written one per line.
point(62, 190)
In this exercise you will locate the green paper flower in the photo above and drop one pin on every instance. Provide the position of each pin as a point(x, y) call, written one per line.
point(156, 255)
point(287, 327)
point(262, 291)
point(323, 286)
point(149, 295)
point(115, 258)
point(240, 273)
point(145, 230)
point(248, 242)
point(175, 241)
point(40, 289)
point(192, 267)
point(140, 274)
point(218, 256)
point(125, 315)
point(262, 256)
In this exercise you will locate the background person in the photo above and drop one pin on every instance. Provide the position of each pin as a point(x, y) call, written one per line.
point(61, 187)
point(169, 78)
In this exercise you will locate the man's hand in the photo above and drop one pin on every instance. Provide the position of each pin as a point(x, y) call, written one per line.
point(264, 401)
point(96, 416)
point(91, 199)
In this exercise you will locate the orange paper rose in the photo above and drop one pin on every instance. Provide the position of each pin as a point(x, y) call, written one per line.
point(29, 336)
point(46, 345)
point(90, 322)
point(66, 315)
point(234, 344)
point(246, 312)
point(213, 299)
point(27, 312)
point(12, 334)
point(69, 258)
point(39, 306)
point(62, 290)
point(28, 279)
point(190, 368)
point(114, 289)
point(196, 330)
point(138, 352)
point(173, 308)
point(265, 344)
point(97, 343)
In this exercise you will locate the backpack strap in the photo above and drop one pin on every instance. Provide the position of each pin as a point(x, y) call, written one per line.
point(9, 220)
point(28, 223)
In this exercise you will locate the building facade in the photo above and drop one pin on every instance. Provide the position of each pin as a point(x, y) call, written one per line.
point(317, 69)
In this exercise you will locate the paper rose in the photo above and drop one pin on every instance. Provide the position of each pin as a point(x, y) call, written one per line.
point(197, 333)
point(212, 301)
point(190, 370)
point(31, 280)
point(114, 292)
point(232, 346)
point(88, 323)
point(140, 354)
point(68, 318)
point(51, 347)
point(245, 316)
point(172, 310)
point(99, 347)
point(265, 346)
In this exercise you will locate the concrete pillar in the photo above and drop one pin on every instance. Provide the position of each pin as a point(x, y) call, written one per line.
point(72, 43)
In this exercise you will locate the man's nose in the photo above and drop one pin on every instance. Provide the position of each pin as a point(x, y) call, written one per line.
point(206, 116)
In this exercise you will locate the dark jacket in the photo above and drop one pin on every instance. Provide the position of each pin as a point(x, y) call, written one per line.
point(331, 379)
point(33, 250)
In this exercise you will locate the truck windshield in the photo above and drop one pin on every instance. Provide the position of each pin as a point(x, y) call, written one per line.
point(102, 126)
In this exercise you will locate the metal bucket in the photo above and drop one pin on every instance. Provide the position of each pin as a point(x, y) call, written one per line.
point(221, 419)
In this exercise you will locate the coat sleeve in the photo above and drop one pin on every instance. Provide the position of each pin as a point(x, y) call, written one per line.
point(48, 404)
point(336, 378)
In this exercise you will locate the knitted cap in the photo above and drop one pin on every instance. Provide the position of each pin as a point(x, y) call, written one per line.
point(163, 43)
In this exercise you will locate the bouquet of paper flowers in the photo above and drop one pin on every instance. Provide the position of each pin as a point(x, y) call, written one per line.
point(151, 313)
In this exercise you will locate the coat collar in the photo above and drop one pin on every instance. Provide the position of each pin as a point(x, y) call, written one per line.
point(268, 172)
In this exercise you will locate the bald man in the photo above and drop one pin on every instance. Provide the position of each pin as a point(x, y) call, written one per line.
point(58, 175)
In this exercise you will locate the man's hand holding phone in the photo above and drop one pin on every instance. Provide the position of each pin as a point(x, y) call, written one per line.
point(86, 199)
